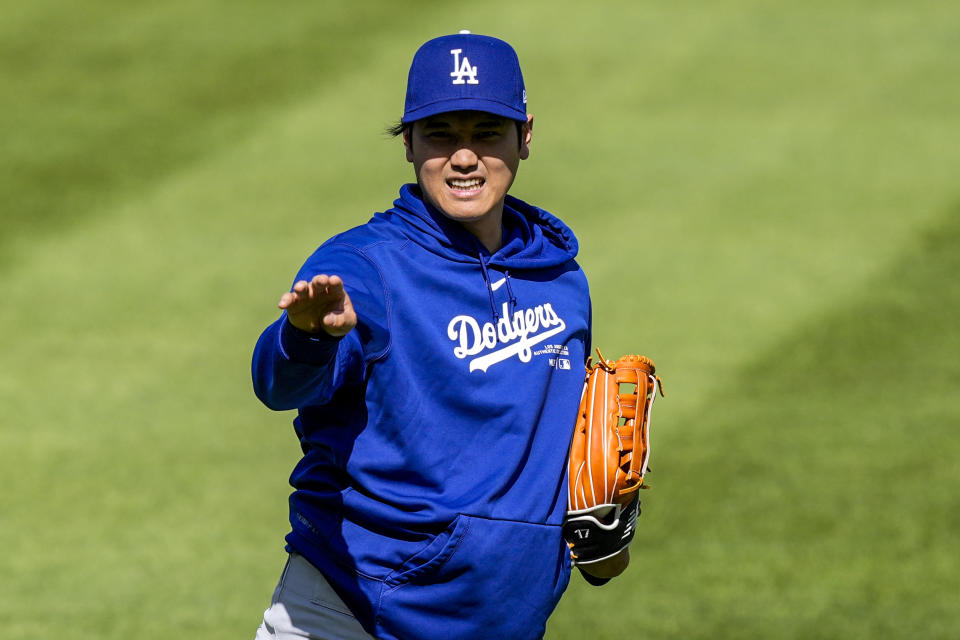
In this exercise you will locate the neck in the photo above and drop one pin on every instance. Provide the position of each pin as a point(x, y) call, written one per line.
point(488, 230)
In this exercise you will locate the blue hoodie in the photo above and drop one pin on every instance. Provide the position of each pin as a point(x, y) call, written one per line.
point(432, 486)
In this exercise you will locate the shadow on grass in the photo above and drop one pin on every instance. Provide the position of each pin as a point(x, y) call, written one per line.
point(815, 496)
point(819, 488)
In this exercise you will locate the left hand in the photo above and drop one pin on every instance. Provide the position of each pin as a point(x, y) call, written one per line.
point(609, 568)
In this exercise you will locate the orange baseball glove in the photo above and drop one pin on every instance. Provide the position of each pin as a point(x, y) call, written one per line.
point(608, 456)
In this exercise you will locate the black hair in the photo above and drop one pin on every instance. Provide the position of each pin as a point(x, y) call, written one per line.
point(397, 129)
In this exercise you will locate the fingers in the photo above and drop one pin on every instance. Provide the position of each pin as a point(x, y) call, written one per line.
point(286, 300)
point(340, 318)
point(291, 298)
point(320, 304)
point(321, 289)
point(328, 286)
point(334, 322)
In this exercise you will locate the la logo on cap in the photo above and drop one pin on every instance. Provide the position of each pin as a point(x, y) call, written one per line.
point(462, 68)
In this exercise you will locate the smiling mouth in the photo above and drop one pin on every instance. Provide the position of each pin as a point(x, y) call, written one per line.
point(463, 185)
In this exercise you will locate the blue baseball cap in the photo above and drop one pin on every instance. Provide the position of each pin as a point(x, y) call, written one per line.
point(465, 72)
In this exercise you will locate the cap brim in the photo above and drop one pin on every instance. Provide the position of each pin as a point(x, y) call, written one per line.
point(464, 104)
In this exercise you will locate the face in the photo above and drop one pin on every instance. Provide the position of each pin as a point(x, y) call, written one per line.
point(466, 162)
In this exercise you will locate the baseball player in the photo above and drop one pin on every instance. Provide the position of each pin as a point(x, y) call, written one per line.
point(435, 359)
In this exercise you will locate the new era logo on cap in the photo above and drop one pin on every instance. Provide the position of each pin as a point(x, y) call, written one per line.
point(465, 72)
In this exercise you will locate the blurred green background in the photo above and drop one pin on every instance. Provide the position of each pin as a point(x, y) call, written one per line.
point(768, 205)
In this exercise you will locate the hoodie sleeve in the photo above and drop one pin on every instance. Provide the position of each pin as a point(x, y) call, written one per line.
point(292, 368)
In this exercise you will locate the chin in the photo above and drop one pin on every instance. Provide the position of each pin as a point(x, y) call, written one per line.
point(469, 213)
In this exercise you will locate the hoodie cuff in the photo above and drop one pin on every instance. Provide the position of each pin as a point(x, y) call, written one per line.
point(305, 347)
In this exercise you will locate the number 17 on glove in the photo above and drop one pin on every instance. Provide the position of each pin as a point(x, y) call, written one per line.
point(608, 457)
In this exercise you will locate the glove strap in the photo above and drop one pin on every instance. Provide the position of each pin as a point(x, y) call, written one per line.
point(592, 540)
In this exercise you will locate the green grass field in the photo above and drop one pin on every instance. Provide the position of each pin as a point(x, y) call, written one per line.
point(768, 204)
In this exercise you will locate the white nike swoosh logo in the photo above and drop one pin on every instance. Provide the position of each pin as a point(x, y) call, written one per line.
point(499, 283)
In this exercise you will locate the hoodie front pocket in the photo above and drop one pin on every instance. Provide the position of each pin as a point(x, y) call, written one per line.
point(481, 578)
point(432, 557)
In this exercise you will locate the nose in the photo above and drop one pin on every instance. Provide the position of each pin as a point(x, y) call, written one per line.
point(464, 159)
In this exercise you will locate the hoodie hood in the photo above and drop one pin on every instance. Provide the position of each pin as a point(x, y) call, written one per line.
point(532, 238)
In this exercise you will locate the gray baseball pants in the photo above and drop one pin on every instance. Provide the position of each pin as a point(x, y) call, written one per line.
point(304, 605)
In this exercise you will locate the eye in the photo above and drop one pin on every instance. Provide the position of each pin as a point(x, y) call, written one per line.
point(438, 135)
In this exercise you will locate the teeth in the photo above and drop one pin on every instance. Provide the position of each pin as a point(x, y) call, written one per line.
point(466, 184)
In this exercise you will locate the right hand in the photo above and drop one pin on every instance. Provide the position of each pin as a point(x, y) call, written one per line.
point(320, 305)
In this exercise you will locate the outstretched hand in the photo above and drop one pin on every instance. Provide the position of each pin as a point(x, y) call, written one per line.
point(320, 305)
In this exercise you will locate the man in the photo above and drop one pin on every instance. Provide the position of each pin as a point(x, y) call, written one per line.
point(435, 356)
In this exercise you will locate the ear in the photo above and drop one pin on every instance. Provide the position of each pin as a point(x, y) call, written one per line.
point(526, 135)
point(408, 142)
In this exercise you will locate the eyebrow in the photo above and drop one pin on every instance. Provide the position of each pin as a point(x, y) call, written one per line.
point(482, 124)
point(436, 124)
